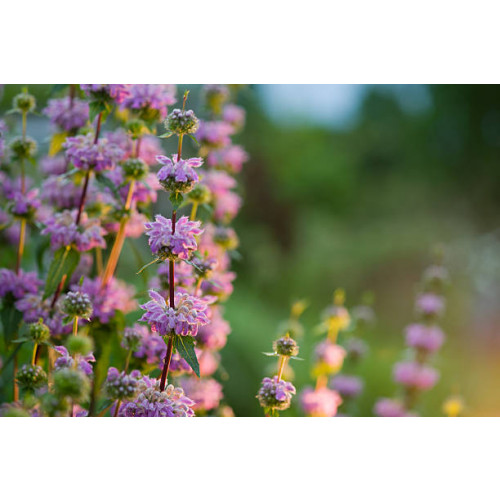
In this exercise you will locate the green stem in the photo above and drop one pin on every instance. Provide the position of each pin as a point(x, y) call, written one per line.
point(75, 325)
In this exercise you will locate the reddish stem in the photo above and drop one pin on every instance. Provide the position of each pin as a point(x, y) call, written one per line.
point(168, 357)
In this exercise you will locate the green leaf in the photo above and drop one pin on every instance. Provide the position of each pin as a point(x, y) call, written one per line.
point(21, 340)
point(193, 138)
point(149, 264)
point(106, 181)
point(10, 318)
point(166, 136)
point(96, 107)
point(270, 354)
point(56, 143)
point(176, 199)
point(64, 263)
point(185, 347)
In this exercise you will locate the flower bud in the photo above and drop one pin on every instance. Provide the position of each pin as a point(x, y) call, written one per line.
point(135, 169)
point(78, 344)
point(120, 385)
point(31, 377)
point(226, 238)
point(182, 122)
point(71, 383)
point(131, 339)
point(23, 148)
point(136, 128)
point(286, 346)
point(77, 304)
point(24, 102)
point(275, 394)
point(39, 332)
point(200, 194)
point(215, 97)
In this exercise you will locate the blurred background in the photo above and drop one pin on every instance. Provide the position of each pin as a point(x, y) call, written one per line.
point(351, 186)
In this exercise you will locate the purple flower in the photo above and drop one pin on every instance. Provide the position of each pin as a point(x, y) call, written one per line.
point(321, 402)
point(426, 338)
point(61, 192)
point(275, 394)
point(189, 314)
point(178, 176)
point(63, 231)
point(215, 134)
point(206, 393)
point(230, 158)
point(151, 346)
point(415, 376)
point(119, 385)
point(226, 203)
point(24, 205)
point(430, 305)
point(100, 91)
point(348, 386)
point(107, 299)
point(214, 334)
point(390, 408)
point(150, 146)
point(151, 402)
point(329, 356)
point(66, 361)
point(33, 307)
point(178, 245)
point(68, 114)
point(150, 101)
point(84, 154)
point(18, 284)
point(53, 165)
point(234, 115)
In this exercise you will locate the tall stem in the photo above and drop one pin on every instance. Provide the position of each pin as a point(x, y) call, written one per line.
point(20, 248)
point(75, 325)
point(168, 357)
point(119, 240)
point(281, 366)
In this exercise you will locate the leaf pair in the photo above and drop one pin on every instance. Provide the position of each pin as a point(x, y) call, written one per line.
point(184, 344)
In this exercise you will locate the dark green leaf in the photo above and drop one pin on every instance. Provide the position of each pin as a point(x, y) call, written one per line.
point(176, 199)
point(95, 107)
point(64, 263)
point(185, 347)
point(11, 318)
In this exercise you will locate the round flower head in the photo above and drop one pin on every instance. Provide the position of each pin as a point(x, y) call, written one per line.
point(321, 402)
point(205, 392)
point(230, 158)
point(149, 101)
point(348, 386)
point(53, 165)
point(152, 347)
point(105, 92)
point(226, 237)
point(286, 346)
point(18, 285)
point(61, 192)
point(329, 358)
point(23, 148)
point(151, 402)
point(182, 122)
point(68, 114)
point(275, 394)
point(31, 377)
point(430, 305)
point(119, 385)
point(203, 267)
point(178, 245)
point(39, 332)
point(178, 176)
point(132, 337)
point(415, 376)
point(66, 361)
point(189, 314)
point(73, 384)
point(63, 231)
point(215, 134)
point(80, 345)
point(134, 169)
point(425, 338)
point(84, 154)
point(234, 115)
point(24, 205)
point(77, 304)
point(24, 102)
point(107, 299)
point(390, 408)
point(200, 194)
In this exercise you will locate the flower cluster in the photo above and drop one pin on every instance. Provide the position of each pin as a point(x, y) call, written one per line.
point(178, 176)
point(424, 338)
point(105, 92)
point(149, 101)
point(84, 153)
point(69, 114)
point(119, 385)
point(169, 244)
point(185, 318)
point(275, 394)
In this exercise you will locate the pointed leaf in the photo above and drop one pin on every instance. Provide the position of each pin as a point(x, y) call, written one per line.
point(149, 264)
point(185, 347)
point(176, 199)
point(10, 318)
point(64, 263)
point(56, 143)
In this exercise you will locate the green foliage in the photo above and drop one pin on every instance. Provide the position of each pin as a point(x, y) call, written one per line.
point(185, 347)
point(64, 263)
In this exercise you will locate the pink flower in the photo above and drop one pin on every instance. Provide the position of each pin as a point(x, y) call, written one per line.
point(415, 376)
point(320, 402)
